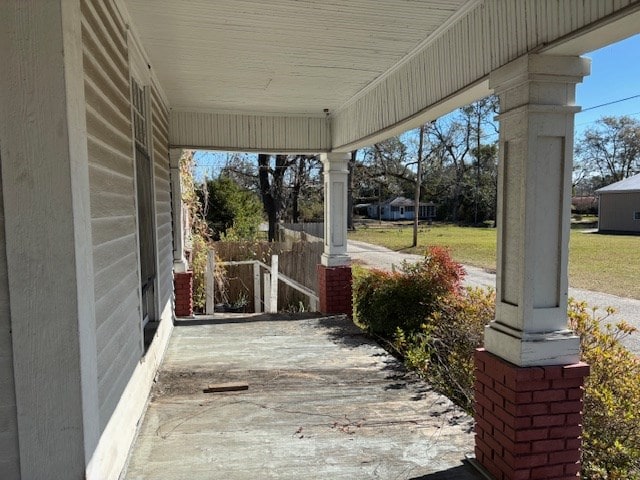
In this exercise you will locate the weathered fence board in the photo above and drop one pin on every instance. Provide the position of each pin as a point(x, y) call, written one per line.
point(297, 260)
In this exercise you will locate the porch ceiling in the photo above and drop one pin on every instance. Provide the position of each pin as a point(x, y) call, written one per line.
point(286, 57)
point(257, 75)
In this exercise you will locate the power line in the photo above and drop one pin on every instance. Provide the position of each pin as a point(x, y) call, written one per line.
point(609, 103)
point(596, 121)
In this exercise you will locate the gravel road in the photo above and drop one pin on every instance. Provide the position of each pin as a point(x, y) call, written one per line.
point(384, 259)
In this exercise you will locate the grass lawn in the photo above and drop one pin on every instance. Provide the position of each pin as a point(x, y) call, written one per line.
point(603, 263)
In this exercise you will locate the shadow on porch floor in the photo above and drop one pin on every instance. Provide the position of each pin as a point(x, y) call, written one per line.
point(323, 402)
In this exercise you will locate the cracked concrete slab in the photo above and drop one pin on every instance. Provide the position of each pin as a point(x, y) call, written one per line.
point(324, 402)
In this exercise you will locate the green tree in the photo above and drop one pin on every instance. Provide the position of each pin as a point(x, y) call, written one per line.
point(230, 210)
point(458, 159)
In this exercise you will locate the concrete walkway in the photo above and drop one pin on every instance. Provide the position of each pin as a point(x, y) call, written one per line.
point(324, 402)
point(627, 309)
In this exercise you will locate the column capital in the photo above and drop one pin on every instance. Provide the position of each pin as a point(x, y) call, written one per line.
point(174, 157)
point(336, 161)
point(541, 68)
point(539, 82)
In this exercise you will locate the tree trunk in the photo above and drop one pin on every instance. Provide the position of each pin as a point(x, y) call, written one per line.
point(477, 192)
point(268, 201)
point(295, 194)
point(416, 208)
point(352, 163)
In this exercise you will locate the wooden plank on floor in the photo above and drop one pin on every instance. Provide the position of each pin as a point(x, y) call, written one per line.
point(226, 387)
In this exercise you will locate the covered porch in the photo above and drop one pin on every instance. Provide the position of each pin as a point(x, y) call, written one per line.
point(323, 402)
point(98, 97)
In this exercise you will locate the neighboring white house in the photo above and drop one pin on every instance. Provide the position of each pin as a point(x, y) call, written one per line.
point(401, 208)
point(619, 206)
point(97, 99)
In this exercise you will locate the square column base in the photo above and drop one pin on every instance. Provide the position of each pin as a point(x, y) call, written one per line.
point(528, 419)
point(183, 289)
point(335, 290)
point(532, 349)
point(180, 265)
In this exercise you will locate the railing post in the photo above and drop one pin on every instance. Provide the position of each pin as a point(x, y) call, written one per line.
point(273, 300)
point(267, 287)
point(257, 308)
point(209, 282)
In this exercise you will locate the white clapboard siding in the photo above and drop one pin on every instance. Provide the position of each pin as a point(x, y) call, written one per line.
point(249, 133)
point(164, 227)
point(112, 196)
point(485, 38)
point(9, 454)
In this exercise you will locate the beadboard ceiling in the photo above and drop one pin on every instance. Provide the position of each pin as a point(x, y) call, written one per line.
point(292, 57)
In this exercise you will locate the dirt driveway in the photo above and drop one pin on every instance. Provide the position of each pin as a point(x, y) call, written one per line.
point(383, 258)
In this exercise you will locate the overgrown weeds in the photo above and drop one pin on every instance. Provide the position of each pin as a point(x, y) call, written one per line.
point(611, 437)
point(199, 236)
point(442, 349)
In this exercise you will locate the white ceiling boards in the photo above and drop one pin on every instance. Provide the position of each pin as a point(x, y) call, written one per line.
point(279, 56)
point(264, 73)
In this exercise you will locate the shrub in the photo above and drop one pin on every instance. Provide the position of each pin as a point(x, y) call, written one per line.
point(611, 437)
point(385, 301)
point(442, 351)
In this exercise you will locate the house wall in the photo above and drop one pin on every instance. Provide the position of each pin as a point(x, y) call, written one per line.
point(125, 370)
point(162, 172)
point(47, 236)
point(113, 209)
point(9, 451)
point(616, 212)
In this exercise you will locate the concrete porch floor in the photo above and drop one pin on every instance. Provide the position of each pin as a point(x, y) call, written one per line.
point(324, 402)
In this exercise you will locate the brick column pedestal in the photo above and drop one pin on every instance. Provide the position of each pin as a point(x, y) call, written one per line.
point(334, 284)
point(183, 285)
point(528, 419)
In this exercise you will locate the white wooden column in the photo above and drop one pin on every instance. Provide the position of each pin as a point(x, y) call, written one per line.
point(45, 179)
point(179, 261)
point(537, 96)
point(336, 171)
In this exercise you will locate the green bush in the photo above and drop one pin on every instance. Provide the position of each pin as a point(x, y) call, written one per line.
point(443, 350)
point(385, 301)
point(611, 437)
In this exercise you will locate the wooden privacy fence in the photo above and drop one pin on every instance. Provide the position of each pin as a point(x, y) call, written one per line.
point(314, 229)
point(271, 278)
point(297, 262)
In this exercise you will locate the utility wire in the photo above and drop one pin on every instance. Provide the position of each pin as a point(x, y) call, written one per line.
point(596, 121)
point(609, 103)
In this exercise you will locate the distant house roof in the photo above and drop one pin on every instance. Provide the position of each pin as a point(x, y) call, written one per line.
point(631, 184)
point(401, 202)
point(404, 202)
